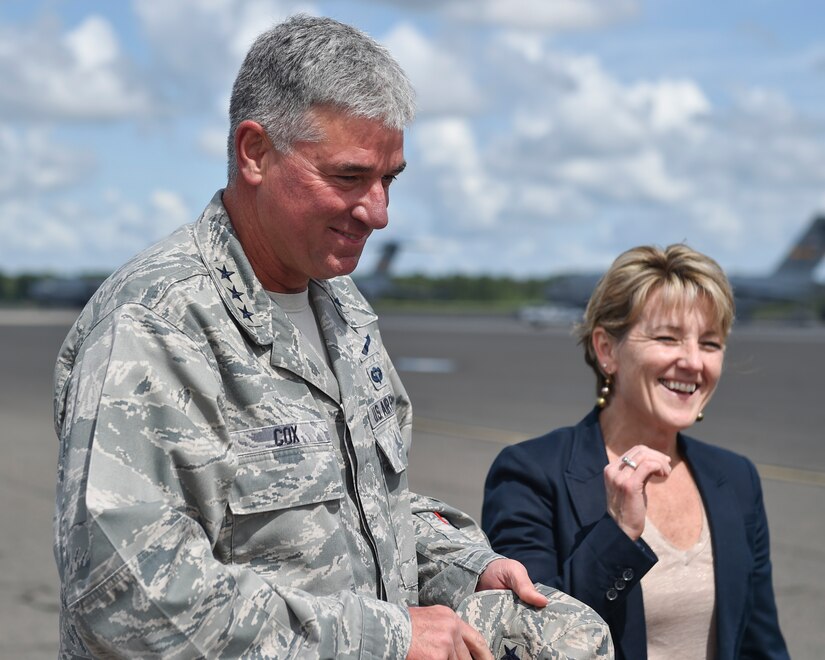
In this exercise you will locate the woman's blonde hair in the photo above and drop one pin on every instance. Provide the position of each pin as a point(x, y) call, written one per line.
point(683, 276)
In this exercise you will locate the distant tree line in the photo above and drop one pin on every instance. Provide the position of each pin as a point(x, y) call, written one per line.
point(15, 288)
point(481, 288)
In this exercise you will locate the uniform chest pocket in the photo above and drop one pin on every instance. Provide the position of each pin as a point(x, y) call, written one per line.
point(285, 466)
point(297, 477)
point(285, 510)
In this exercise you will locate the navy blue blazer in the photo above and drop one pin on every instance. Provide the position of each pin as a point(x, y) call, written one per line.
point(545, 505)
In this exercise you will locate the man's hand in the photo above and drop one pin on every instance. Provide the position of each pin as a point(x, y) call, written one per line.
point(438, 633)
point(510, 574)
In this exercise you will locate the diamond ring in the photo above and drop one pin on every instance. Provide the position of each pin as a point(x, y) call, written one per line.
point(629, 461)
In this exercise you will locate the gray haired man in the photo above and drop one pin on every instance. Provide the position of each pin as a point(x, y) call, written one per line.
point(233, 436)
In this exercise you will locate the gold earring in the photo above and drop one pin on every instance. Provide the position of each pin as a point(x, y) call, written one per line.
point(700, 416)
point(604, 392)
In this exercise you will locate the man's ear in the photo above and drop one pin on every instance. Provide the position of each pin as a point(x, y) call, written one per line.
point(604, 346)
point(251, 145)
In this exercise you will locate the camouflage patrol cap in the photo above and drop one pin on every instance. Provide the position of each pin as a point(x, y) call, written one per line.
point(565, 628)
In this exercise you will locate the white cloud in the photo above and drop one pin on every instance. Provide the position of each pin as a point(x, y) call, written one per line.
point(33, 238)
point(638, 176)
point(448, 143)
point(212, 141)
point(93, 43)
point(201, 43)
point(169, 210)
point(442, 83)
point(669, 104)
point(588, 164)
point(469, 197)
point(67, 236)
point(33, 162)
point(79, 75)
point(766, 104)
point(554, 15)
point(596, 111)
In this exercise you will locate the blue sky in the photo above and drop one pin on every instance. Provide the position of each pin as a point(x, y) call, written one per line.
point(551, 134)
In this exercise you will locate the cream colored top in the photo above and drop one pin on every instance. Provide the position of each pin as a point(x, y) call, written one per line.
point(679, 598)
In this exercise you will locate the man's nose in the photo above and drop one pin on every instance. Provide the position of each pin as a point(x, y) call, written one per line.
point(371, 207)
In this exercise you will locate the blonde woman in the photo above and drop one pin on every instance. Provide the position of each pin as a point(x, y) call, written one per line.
point(663, 535)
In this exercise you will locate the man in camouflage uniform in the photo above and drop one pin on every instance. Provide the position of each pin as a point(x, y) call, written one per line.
point(232, 478)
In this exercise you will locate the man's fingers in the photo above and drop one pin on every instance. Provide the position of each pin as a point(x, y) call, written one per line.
point(523, 587)
point(511, 574)
point(530, 595)
point(474, 643)
point(438, 632)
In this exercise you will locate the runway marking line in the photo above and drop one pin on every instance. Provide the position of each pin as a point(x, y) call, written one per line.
point(38, 317)
point(466, 431)
point(791, 475)
point(500, 437)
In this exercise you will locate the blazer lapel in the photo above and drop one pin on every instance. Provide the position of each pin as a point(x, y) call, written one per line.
point(584, 475)
point(731, 559)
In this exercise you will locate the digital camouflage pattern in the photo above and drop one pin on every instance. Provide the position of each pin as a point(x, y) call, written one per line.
point(564, 629)
point(221, 491)
point(215, 476)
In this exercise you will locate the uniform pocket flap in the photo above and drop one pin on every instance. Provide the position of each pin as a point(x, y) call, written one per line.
point(292, 465)
point(391, 442)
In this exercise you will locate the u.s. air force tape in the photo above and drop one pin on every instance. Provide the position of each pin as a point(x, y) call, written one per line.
point(382, 410)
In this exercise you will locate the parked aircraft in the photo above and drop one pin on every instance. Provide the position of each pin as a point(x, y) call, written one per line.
point(64, 291)
point(378, 283)
point(791, 282)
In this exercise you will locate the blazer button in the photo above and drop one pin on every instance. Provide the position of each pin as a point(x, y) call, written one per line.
point(628, 574)
point(620, 584)
point(612, 594)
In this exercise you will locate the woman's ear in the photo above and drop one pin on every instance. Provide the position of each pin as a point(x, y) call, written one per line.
point(604, 345)
point(251, 145)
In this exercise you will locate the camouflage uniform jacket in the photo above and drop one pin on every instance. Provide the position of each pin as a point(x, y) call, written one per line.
point(222, 492)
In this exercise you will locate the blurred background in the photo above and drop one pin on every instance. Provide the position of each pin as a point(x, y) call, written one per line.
point(551, 135)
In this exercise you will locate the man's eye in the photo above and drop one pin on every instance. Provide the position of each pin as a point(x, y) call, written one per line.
point(347, 178)
point(712, 345)
point(389, 179)
point(666, 339)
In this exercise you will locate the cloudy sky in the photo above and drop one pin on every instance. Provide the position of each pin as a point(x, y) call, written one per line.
point(551, 134)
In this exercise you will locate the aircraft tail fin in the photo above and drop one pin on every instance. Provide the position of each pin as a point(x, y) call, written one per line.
point(806, 253)
point(388, 252)
point(378, 282)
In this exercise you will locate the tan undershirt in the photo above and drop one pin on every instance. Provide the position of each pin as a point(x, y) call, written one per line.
point(299, 310)
point(679, 598)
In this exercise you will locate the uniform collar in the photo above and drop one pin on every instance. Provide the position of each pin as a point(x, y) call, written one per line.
point(240, 289)
point(230, 270)
point(348, 302)
point(264, 321)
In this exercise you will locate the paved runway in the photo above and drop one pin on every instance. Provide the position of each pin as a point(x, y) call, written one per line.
point(477, 384)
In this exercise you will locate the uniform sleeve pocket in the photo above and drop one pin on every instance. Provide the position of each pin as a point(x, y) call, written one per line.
point(287, 478)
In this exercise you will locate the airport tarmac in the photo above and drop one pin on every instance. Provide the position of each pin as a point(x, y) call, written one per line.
point(477, 384)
